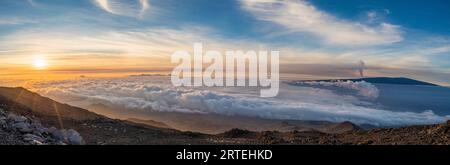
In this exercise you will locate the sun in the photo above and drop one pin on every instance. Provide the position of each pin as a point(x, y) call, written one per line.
point(39, 63)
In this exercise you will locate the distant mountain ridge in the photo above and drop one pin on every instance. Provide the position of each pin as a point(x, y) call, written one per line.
point(386, 80)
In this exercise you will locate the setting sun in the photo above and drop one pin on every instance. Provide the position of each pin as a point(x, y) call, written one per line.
point(39, 63)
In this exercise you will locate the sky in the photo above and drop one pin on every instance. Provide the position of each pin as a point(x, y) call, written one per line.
point(407, 38)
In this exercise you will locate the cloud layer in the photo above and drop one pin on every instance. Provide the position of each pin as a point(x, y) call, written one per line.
point(152, 93)
point(300, 16)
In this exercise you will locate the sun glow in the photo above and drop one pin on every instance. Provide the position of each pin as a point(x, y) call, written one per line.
point(39, 63)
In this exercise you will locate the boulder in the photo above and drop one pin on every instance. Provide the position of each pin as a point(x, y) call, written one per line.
point(38, 128)
point(2, 112)
point(16, 118)
point(22, 127)
point(41, 130)
point(35, 142)
point(66, 136)
point(2, 122)
point(60, 143)
point(74, 138)
point(33, 138)
point(58, 135)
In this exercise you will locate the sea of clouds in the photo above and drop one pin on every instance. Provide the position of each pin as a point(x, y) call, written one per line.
point(155, 93)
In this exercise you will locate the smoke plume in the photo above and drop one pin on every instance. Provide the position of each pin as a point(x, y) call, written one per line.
point(361, 67)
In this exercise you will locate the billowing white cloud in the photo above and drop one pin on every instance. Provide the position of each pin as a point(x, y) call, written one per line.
point(132, 8)
point(301, 16)
point(154, 93)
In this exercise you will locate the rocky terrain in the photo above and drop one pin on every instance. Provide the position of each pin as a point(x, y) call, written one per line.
point(27, 118)
point(438, 134)
point(18, 129)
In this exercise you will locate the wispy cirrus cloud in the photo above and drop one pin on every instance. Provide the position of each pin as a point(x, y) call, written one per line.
point(133, 8)
point(15, 21)
point(301, 16)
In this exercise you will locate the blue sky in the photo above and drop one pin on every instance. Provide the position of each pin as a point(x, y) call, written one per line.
point(322, 37)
